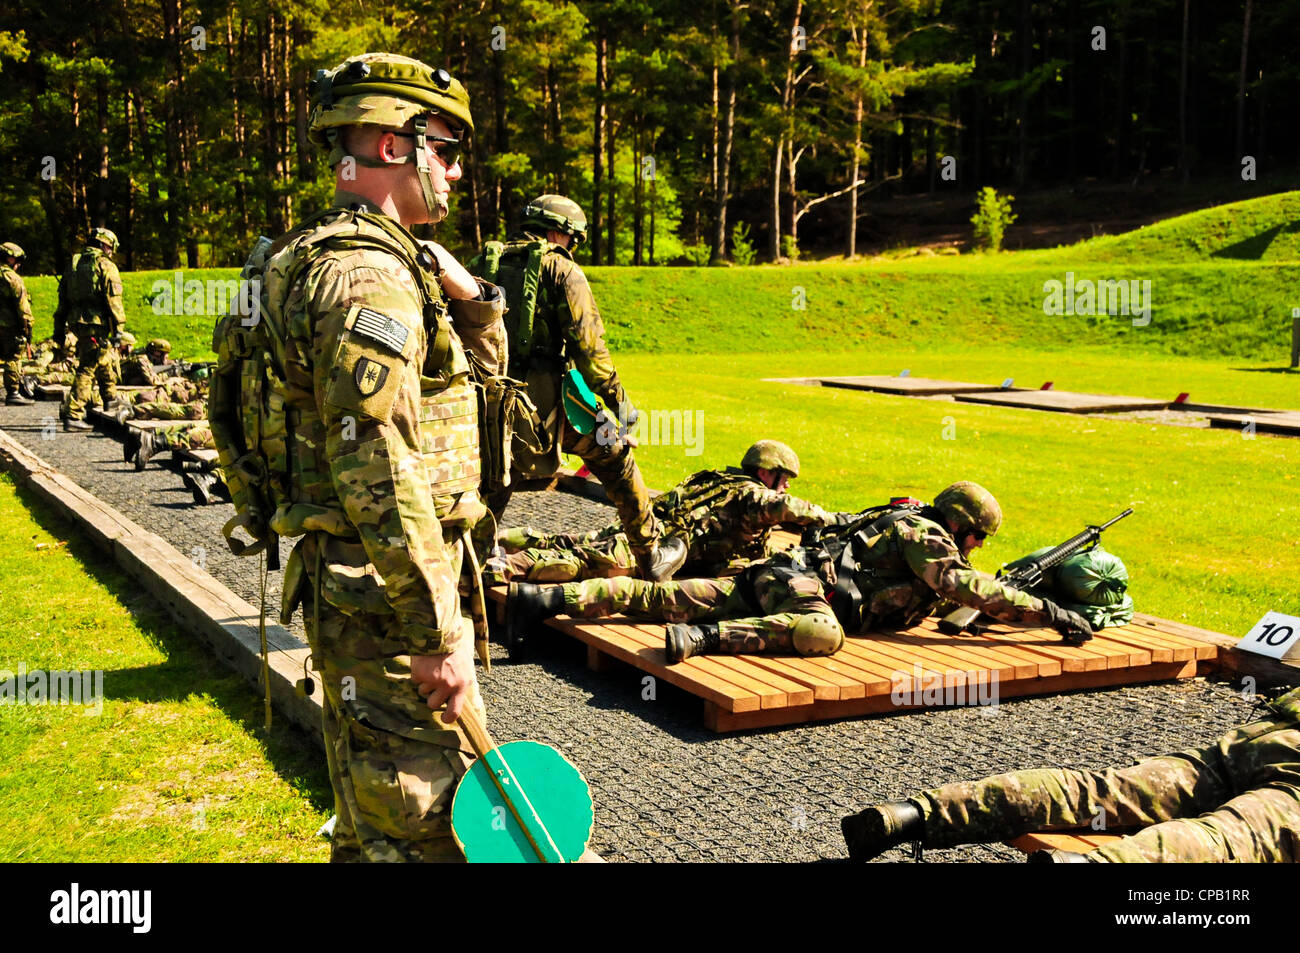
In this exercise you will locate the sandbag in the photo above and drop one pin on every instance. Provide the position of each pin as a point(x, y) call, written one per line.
point(1094, 578)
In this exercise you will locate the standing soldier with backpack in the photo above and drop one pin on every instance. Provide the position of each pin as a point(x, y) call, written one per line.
point(360, 436)
point(90, 306)
point(557, 348)
point(15, 321)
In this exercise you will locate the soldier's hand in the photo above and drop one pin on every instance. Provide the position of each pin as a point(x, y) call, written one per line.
point(1073, 627)
point(446, 679)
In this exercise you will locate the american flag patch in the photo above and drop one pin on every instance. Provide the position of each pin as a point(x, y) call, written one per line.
point(380, 327)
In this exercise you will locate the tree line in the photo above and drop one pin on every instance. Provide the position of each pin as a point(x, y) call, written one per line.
point(689, 130)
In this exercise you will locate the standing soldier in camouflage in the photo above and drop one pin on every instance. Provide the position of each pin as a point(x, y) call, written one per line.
point(15, 321)
point(553, 324)
point(90, 306)
point(382, 423)
point(1235, 801)
point(888, 575)
point(726, 519)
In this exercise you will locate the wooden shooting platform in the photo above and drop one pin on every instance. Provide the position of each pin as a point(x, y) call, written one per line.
point(1281, 422)
point(1064, 401)
point(52, 391)
point(1080, 841)
point(888, 672)
point(905, 386)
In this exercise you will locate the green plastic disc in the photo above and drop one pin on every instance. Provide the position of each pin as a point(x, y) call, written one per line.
point(486, 828)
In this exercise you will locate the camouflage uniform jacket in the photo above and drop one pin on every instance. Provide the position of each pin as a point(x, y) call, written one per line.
point(912, 564)
point(566, 327)
point(382, 418)
point(90, 297)
point(15, 304)
point(729, 516)
point(137, 371)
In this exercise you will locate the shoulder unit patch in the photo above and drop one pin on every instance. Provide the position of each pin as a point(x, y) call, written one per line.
point(369, 376)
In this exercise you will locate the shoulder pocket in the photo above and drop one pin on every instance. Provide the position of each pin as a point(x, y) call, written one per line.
point(371, 360)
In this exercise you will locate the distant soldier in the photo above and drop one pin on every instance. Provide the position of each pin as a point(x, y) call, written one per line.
point(173, 398)
point(887, 574)
point(157, 351)
point(46, 366)
point(553, 324)
point(141, 446)
point(1234, 801)
point(725, 517)
point(137, 367)
point(90, 305)
point(15, 321)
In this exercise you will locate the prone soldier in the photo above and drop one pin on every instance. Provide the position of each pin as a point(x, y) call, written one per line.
point(725, 518)
point(1236, 800)
point(888, 574)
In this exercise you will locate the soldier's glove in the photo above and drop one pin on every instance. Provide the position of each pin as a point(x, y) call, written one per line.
point(1074, 628)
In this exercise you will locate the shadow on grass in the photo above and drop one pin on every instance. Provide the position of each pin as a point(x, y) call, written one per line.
point(1268, 370)
point(1254, 248)
point(190, 668)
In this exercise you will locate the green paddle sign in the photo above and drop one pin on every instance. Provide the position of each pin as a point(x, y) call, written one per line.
point(521, 802)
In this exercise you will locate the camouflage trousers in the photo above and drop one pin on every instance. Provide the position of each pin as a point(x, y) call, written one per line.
point(771, 620)
point(95, 366)
point(12, 357)
point(600, 554)
point(186, 437)
point(169, 410)
point(1237, 800)
point(393, 765)
point(46, 376)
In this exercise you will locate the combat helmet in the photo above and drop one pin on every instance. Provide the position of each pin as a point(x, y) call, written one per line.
point(771, 455)
point(125, 338)
point(159, 345)
point(106, 238)
point(971, 507)
point(13, 250)
point(558, 213)
point(388, 90)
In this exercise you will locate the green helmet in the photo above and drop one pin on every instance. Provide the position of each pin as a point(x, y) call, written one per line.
point(161, 345)
point(106, 238)
point(125, 338)
point(771, 455)
point(971, 507)
point(13, 251)
point(388, 90)
point(559, 213)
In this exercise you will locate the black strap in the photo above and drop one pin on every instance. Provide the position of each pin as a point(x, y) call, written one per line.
point(846, 597)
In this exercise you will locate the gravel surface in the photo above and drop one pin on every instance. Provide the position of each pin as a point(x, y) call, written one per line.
point(665, 788)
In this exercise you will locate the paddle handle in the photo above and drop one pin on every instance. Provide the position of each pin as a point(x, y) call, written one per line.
point(475, 730)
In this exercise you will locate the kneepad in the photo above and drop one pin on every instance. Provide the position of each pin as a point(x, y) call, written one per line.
point(817, 634)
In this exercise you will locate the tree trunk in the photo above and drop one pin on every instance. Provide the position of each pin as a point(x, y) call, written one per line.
point(638, 191)
point(1184, 165)
point(859, 113)
point(1241, 84)
point(597, 146)
point(612, 194)
point(721, 194)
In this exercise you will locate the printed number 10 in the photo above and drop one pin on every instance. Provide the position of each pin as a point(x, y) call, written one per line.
point(1271, 637)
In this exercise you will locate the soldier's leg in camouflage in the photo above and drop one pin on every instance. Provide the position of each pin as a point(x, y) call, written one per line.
point(603, 559)
point(797, 619)
point(1008, 805)
point(684, 600)
point(615, 467)
point(392, 792)
point(106, 371)
point(82, 390)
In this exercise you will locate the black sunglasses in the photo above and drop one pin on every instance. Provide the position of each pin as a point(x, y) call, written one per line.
point(979, 535)
point(447, 150)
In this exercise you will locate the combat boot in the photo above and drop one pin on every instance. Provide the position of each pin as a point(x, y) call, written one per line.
point(15, 399)
point(200, 485)
point(870, 833)
point(149, 445)
point(663, 560)
point(122, 413)
point(683, 641)
point(527, 605)
point(130, 444)
point(72, 425)
point(1057, 857)
point(27, 386)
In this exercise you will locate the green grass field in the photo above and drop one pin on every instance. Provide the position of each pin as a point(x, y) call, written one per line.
point(176, 766)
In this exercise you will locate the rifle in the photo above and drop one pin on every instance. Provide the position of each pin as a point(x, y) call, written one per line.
point(1029, 572)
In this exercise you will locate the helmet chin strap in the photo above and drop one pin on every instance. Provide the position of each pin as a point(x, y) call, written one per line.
point(436, 207)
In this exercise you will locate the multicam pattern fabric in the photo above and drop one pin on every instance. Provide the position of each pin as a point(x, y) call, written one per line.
point(757, 619)
point(175, 398)
point(383, 493)
point(914, 563)
point(1237, 800)
point(90, 306)
point(726, 519)
point(137, 371)
point(95, 368)
point(15, 325)
point(186, 437)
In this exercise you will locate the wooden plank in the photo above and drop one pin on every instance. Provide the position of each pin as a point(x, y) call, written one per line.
point(1062, 840)
point(908, 386)
point(1064, 401)
point(983, 652)
point(1043, 665)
